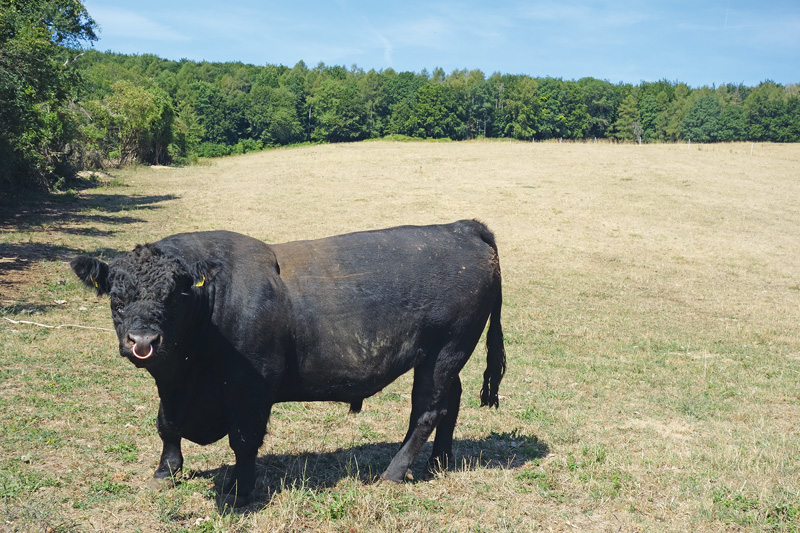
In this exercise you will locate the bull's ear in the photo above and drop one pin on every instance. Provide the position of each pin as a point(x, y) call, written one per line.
point(92, 272)
point(203, 272)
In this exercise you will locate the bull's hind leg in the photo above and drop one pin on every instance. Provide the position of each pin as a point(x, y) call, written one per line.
point(442, 455)
point(430, 403)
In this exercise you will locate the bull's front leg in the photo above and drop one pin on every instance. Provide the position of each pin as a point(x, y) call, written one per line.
point(245, 437)
point(171, 461)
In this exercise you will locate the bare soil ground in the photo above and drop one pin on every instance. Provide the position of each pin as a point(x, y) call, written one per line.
point(652, 296)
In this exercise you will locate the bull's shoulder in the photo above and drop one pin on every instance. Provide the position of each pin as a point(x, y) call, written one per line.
point(201, 239)
point(218, 244)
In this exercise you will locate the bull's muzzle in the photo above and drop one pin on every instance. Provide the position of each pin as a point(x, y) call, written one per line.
point(143, 346)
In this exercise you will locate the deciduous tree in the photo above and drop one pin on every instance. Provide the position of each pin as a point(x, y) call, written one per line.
point(702, 122)
point(39, 41)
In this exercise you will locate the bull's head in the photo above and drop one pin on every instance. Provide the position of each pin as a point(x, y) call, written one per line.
point(155, 298)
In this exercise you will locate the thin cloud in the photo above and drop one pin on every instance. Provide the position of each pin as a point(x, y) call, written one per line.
point(424, 32)
point(388, 49)
point(379, 38)
point(749, 27)
point(753, 25)
point(582, 15)
point(127, 24)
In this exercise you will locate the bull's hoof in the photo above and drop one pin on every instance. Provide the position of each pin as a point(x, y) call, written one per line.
point(160, 483)
point(231, 500)
point(408, 477)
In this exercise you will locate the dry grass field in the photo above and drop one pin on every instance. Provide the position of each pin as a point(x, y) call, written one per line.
point(652, 298)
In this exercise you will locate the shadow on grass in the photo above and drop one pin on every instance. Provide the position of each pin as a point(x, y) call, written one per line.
point(313, 471)
point(54, 216)
point(17, 259)
point(76, 215)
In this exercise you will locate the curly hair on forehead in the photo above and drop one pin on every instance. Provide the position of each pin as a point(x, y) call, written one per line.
point(146, 273)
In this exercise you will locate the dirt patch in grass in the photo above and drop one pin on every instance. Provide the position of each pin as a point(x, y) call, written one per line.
point(678, 430)
point(650, 312)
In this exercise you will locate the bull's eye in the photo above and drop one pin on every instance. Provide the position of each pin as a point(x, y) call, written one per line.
point(120, 309)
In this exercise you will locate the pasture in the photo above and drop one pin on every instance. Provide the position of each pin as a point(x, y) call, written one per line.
point(651, 305)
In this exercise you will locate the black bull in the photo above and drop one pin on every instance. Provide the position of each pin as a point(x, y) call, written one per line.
point(228, 325)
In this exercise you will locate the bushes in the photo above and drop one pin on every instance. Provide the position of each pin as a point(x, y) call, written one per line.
point(209, 149)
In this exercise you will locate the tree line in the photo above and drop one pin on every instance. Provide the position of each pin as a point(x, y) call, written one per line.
point(66, 109)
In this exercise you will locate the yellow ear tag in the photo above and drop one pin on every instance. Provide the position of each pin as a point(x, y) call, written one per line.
point(93, 281)
point(201, 282)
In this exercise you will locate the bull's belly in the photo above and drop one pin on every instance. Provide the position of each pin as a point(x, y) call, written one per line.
point(347, 377)
point(204, 434)
point(334, 390)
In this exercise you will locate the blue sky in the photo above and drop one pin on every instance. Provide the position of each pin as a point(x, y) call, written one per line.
point(696, 42)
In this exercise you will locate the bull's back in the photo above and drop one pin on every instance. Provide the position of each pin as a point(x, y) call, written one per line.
point(406, 266)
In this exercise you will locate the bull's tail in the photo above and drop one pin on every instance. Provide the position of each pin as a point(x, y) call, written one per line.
point(495, 356)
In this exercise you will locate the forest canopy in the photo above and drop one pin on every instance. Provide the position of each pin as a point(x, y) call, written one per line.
point(66, 109)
